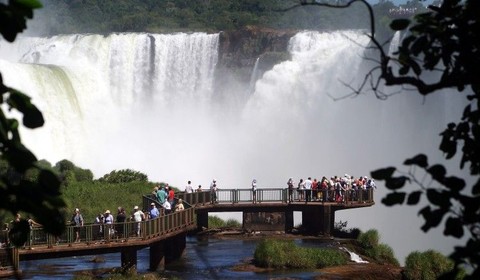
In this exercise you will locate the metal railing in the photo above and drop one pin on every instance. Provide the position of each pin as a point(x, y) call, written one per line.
point(278, 195)
point(116, 232)
point(122, 232)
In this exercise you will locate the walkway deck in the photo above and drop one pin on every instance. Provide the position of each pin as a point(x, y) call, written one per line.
point(96, 239)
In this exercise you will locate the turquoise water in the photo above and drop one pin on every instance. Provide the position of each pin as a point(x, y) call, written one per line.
point(208, 258)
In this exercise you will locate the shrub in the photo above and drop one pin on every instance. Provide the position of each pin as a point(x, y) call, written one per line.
point(232, 223)
point(215, 222)
point(427, 265)
point(124, 176)
point(369, 239)
point(383, 254)
point(285, 254)
point(83, 175)
point(380, 252)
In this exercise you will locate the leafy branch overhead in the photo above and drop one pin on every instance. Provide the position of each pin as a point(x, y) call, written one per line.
point(40, 199)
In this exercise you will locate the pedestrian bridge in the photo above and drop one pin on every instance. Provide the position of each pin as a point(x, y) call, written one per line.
point(165, 235)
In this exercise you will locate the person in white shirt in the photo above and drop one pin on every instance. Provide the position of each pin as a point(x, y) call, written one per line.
point(138, 216)
point(189, 188)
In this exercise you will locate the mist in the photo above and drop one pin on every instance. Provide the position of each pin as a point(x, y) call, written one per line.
point(148, 102)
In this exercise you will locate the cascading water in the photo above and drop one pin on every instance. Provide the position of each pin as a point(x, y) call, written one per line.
point(146, 102)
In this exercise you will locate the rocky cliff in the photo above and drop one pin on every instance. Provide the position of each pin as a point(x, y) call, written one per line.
point(240, 49)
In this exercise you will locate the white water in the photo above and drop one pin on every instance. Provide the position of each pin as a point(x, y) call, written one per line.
point(116, 102)
point(354, 257)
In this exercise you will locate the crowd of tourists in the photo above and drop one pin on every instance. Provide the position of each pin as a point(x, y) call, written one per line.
point(335, 189)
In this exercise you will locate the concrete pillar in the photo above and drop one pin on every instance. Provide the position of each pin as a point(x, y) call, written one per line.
point(328, 220)
point(202, 220)
point(318, 220)
point(129, 260)
point(157, 256)
point(289, 221)
point(175, 246)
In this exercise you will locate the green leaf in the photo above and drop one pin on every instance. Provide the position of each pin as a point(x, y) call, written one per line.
point(383, 173)
point(438, 172)
point(395, 183)
point(32, 117)
point(476, 188)
point(419, 160)
point(439, 198)
point(414, 198)
point(30, 4)
point(453, 227)
point(404, 70)
point(432, 218)
point(399, 24)
point(454, 183)
point(394, 198)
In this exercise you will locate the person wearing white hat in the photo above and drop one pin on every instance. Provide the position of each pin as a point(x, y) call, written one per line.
point(154, 213)
point(138, 216)
point(108, 220)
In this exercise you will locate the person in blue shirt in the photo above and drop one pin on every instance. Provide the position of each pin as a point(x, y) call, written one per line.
point(154, 213)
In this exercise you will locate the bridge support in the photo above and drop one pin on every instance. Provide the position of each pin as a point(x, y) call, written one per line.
point(129, 260)
point(288, 221)
point(157, 256)
point(175, 246)
point(202, 220)
point(318, 220)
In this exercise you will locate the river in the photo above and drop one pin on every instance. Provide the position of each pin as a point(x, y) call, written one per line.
point(205, 258)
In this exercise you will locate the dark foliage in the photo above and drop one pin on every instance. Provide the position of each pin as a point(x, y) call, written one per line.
point(41, 197)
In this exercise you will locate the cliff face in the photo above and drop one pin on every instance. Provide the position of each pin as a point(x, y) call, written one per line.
point(240, 49)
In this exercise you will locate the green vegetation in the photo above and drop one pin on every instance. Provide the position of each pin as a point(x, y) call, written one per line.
point(340, 230)
point(123, 188)
point(124, 176)
point(428, 265)
point(380, 252)
point(285, 254)
point(217, 222)
point(93, 16)
point(41, 198)
point(94, 198)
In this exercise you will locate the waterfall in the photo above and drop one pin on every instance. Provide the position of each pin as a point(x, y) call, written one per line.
point(354, 257)
point(394, 43)
point(90, 88)
point(254, 76)
point(147, 102)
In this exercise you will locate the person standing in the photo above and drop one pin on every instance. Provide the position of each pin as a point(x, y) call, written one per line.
point(171, 196)
point(254, 190)
point(213, 192)
point(154, 213)
point(109, 231)
point(138, 216)
point(290, 189)
point(99, 226)
point(120, 220)
point(179, 206)
point(167, 207)
point(189, 188)
point(308, 189)
point(301, 190)
point(161, 195)
point(77, 221)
